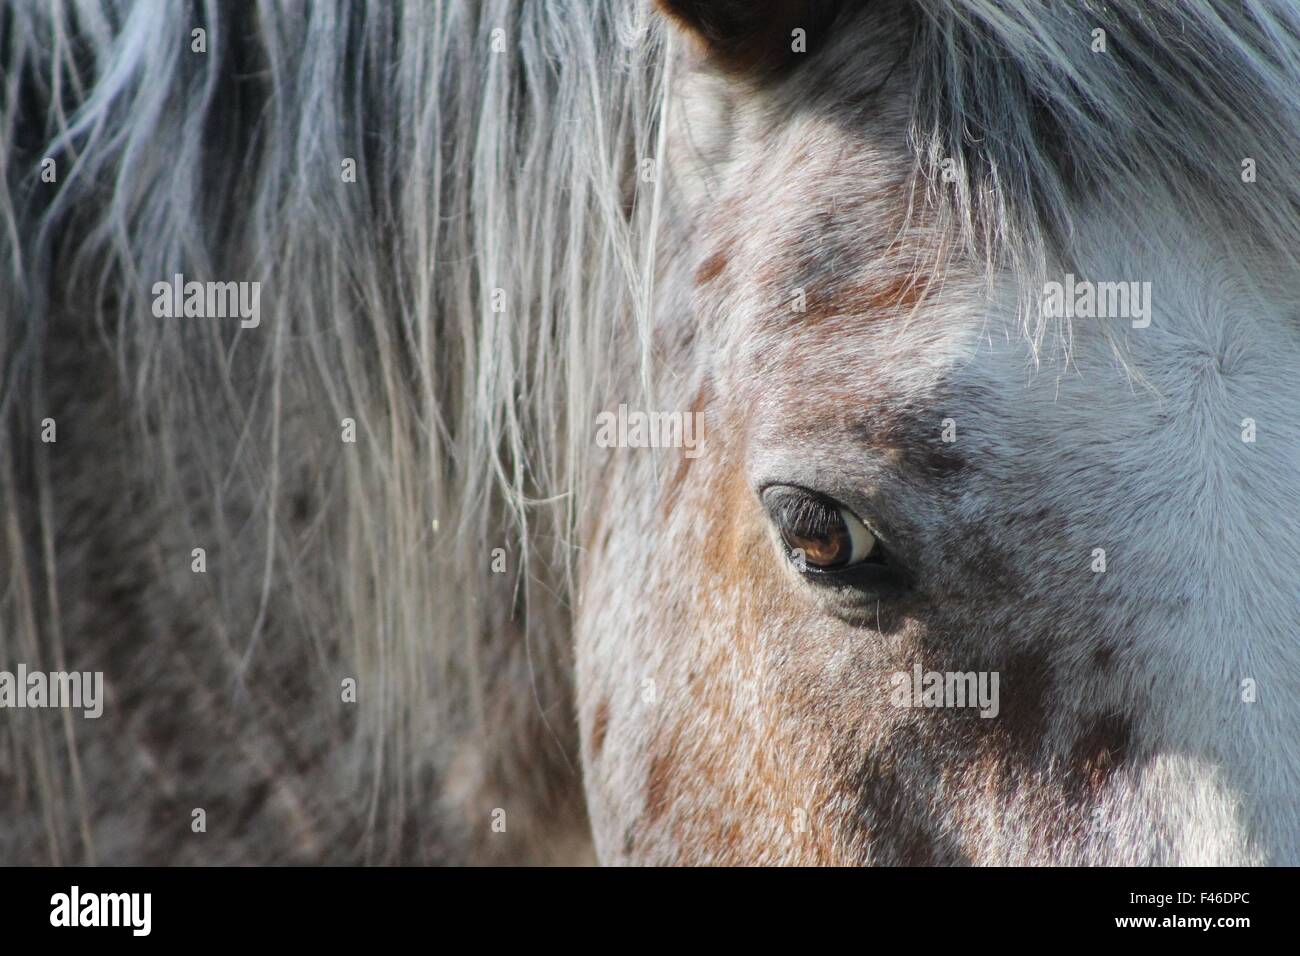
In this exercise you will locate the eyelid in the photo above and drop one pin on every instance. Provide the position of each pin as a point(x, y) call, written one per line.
point(883, 537)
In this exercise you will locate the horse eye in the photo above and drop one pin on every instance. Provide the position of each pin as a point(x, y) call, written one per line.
point(825, 532)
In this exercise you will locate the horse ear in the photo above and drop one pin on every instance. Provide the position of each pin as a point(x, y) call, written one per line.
point(752, 35)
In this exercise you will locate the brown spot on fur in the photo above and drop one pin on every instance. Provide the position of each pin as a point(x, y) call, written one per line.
point(1099, 751)
point(898, 296)
point(1025, 686)
point(599, 727)
point(711, 267)
point(657, 786)
point(675, 483)
point(894, 819)
point(728, 531)
point(942, 461)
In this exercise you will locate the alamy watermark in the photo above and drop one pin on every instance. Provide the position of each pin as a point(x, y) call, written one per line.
point(1075, 299)
point(133, 911)
point(75, 689)
point(946, 689)
point(208, 300)
point(638, 429)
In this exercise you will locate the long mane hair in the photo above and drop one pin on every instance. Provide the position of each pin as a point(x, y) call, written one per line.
point(464, 303)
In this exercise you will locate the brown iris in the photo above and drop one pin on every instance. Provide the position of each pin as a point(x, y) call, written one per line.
point(825, 549)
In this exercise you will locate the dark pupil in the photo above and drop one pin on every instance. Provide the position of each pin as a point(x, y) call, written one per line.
point(820, 533)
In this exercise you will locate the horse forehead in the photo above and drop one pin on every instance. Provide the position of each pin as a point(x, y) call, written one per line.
point(801, 199)
point(880, 340)
point(821, 263)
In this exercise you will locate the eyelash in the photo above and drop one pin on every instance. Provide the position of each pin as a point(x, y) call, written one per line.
point(806, 512)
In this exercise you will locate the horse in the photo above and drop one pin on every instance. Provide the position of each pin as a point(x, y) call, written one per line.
point(354, 361)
